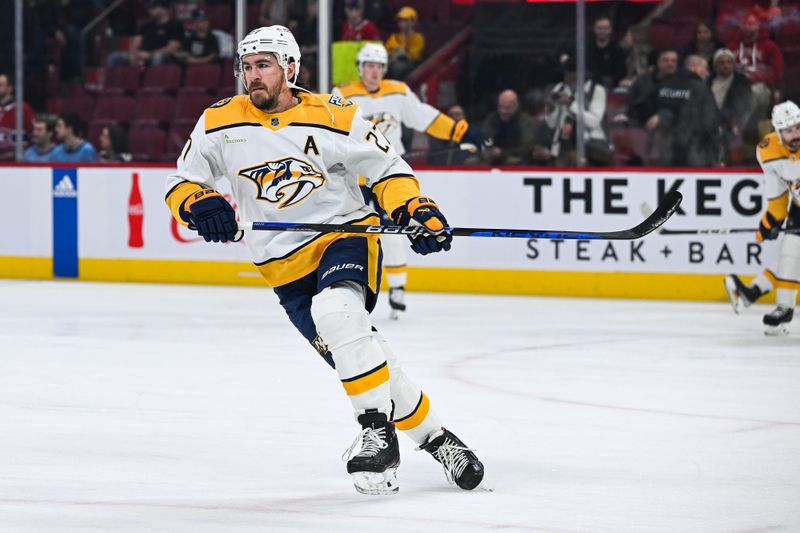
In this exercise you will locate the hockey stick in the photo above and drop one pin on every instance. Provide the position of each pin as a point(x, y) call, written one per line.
point(645, 209)
point(654, 221)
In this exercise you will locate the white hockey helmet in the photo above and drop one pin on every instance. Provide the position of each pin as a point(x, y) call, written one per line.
point(785, 115)
point(374, 53)
point(277, 40)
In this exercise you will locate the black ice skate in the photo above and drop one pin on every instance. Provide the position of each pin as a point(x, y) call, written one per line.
point(461, 466)
point(374, 467)
point(397, 301)
point(776, 322)
point(739, 294)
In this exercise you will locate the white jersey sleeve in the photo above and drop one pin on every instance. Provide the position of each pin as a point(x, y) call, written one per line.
point(416, 114)
point(774, 185)
point(198, 161)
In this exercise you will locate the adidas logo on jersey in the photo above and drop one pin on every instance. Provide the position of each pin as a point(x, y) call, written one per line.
point(285, 182)
point(65, 189)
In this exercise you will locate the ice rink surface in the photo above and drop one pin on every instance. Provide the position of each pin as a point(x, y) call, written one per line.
point(146, 408)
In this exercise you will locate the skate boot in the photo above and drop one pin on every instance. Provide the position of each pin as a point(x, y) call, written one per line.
point(739, 294)
point(397, 301)
point(776, 322)
point(461, 466)
point(374, 467)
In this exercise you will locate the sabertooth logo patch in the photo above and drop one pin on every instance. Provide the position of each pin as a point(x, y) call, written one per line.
point(285, 182)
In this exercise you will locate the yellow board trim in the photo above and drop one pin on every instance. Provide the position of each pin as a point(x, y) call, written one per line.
point(415, 418)
point(26, 267)
point(159, 271)
point(657, 286)
point(367, 383)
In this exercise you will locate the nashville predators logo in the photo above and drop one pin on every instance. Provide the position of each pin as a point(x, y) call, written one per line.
point(285, 182)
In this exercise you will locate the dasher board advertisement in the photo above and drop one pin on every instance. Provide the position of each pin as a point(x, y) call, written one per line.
point(122, 215)
point(601, 201)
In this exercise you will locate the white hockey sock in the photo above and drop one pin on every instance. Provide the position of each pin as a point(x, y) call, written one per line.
point(394, 259)
point(344, 325)
point(762, 282)
point(412, 411)
point(788, 266)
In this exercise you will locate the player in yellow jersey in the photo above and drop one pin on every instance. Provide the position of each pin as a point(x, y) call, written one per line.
point(389, 104)
point(295, 156)
point(779, 157)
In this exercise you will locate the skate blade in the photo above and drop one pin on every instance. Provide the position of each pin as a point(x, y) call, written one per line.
point(776, 331)
point(484, 486)
point(394, 315)
point(733, 296)
point(376, 483)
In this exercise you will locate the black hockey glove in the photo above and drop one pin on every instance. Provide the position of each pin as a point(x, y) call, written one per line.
point(421, 211)
point(768, 228)
point(212, 216)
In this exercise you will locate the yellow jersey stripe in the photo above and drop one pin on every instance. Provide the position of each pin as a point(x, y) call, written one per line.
point(777, 207)
point(305, 259)
point(442, 127)
point(177, 196)
point(395, 269)
point(780, 283)
point(366, 381)
point(416, 416)
point(394, 193)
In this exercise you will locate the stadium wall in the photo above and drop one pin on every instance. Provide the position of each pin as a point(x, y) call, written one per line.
point(110, 223)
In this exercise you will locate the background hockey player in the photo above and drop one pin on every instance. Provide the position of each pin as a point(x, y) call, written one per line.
point(293, 156)
point(389, 104)
point(778, 156)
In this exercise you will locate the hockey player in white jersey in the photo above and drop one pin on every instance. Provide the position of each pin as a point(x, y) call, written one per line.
point(388, 104)
point(779, 157)
point(293, 156)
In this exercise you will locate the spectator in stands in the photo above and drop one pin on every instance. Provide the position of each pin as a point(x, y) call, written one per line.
point(562, 116)
point(734, 98)
point(605, 59)
point(444, 152)
point(686, 122)
point(157, 42)
point(8, 117)
point(281, 12)
point(73, 148)
point(8, 106)
point(307, 35)
point(42, 137)
point(356, 27)
point(698, 65)
point(406, 46)
point(114, 145)
point(640, 103)
point(200, 45)
point(759, 58)
point(510, 134)
point(704, 43)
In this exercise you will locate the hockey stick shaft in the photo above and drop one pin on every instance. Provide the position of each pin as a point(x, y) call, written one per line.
point(654, 221)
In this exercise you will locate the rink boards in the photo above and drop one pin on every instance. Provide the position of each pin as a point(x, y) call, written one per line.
point(92, 223)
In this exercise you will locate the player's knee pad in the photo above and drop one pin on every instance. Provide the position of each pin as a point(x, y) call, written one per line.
point(339, 315)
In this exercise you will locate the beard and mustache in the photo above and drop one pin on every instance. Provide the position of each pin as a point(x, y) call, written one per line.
point(265, 100)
